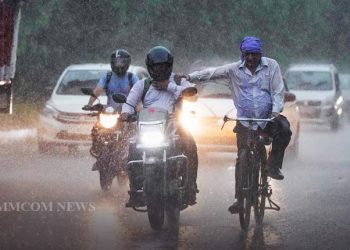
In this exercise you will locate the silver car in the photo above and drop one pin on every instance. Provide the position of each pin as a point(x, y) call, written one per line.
point(318, 94)
point(345, 90)
point(62, 121)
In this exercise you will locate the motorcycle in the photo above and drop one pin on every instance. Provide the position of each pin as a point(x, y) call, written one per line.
point(110, 151)
point(162, 167)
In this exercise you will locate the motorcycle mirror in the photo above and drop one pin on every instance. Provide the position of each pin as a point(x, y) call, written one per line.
point(289, 97)
point(88, 91)
point(118, 98)
point(188, 92)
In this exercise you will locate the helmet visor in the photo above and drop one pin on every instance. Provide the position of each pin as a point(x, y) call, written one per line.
point(119, 62)
point(160, 71)
point(119, 65)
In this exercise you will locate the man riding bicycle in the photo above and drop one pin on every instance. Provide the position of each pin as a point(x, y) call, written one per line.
point(258, 91)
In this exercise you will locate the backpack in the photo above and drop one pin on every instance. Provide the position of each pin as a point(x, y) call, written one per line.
point(146, 85)
point(108, 79)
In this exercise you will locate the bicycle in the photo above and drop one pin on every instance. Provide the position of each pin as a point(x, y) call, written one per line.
point(255, 183)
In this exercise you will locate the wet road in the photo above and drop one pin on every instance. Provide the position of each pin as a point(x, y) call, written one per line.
point(54, 202)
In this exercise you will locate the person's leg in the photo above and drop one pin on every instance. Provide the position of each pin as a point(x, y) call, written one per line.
point(281, 134)
point(240, 131)
point(189, 148)
point(94, 138)
point(135, 175)
point(192, 155)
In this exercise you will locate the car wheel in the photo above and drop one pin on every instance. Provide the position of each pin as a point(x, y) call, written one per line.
point(334, 125)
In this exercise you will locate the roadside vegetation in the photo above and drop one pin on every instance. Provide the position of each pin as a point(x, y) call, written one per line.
point(56, 33)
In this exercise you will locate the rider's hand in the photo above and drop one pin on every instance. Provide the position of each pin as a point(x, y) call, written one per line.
point(274, 115)
point(124, 116)
point(179, 76)
point(162, 86)
point(86, 107)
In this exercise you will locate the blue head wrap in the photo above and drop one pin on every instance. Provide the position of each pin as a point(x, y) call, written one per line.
point(251, 44)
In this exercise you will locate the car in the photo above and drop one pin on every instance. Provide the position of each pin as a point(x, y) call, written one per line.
point(203, 117)
point(318, 94)
point(345, 90)
point(62, 121)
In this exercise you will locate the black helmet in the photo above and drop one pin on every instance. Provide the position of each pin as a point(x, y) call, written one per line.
point(120, 61)
point(159, 62)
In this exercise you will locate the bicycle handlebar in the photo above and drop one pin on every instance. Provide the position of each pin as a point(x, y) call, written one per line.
point(226, 119)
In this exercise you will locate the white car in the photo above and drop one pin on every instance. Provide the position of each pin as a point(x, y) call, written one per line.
point(213, 103)
point(62, 121)
point(318, 94)
point(345, 90)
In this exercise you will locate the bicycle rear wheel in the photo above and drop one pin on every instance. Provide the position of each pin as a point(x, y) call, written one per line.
point(244, 213)
point(261, 190)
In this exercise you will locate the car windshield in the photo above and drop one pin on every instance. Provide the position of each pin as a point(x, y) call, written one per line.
point(74, 80)
point(309, 80)
point(214, 89)
point(344, 81)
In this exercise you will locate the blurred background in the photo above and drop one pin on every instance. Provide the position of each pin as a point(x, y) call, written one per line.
point(56, 33)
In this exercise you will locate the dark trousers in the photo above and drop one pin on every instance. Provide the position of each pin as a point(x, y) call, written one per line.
point(280, 132)
point(189, 148)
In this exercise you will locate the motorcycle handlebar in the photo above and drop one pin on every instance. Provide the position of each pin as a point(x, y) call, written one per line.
point(96, 107)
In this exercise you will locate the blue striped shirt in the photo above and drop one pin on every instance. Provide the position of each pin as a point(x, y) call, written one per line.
point(254, 95)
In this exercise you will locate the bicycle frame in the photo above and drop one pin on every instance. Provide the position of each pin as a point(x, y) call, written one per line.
point(255, 187)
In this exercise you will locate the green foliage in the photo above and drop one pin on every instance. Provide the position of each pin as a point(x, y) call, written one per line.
point(56, 33)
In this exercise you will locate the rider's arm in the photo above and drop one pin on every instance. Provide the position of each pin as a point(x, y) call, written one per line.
point(134, 97)
point(98, 90)
point(277, 89)
point(134, 79)
point(175, 89)
point(221, 72)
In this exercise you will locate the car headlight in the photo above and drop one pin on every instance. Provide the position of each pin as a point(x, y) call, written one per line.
point(49, 111)
point(108, 120)
point(151, 135)
point(339, 102)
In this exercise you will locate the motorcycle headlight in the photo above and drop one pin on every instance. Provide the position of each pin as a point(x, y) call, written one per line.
point(108, 120)
point(151, 135)
point(188, 117)
point(339, 102)
point(189, 121)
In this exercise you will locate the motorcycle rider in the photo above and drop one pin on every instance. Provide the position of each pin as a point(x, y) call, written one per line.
point(258, 92)
point(117, 81)
point(163, 93)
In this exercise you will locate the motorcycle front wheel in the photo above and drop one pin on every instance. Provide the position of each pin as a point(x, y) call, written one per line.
point(154, 198)
point(106, 179)
point(173, 204)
